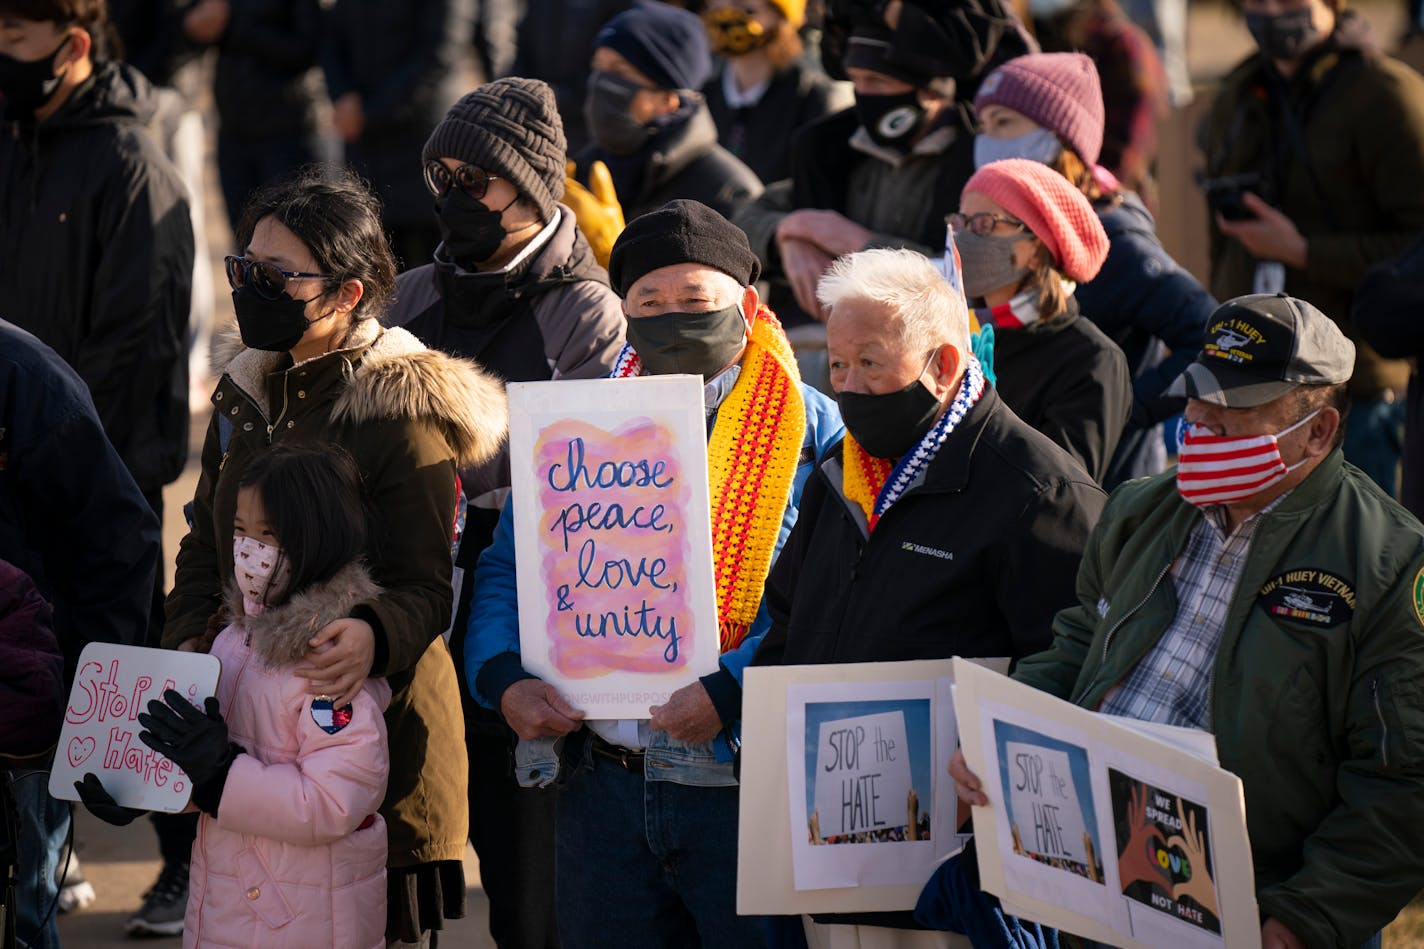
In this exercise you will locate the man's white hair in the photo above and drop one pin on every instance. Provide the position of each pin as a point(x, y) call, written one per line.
point(909, 285)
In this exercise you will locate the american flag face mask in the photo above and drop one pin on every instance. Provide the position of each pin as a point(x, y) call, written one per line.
point(1224, 469)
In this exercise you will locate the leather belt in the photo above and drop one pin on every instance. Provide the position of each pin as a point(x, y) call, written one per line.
point(629, 760)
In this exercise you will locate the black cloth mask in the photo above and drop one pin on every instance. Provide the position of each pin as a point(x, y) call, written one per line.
point(608, 113)
point(471, 232)
point(27, 85)
point(1283, 36)
point(271, 325)
point(889, 425)
point(891, 121)
point(697, 343)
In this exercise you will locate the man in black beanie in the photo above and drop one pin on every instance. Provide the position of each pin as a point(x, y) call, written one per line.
point(647, 824)
point(515, 286)
point(648, 122)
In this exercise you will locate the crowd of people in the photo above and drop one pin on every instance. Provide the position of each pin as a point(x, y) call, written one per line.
point(911, 248)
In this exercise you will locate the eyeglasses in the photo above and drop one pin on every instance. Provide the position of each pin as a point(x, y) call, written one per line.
point(268, 280)
point(471, 180)
point(981, 224)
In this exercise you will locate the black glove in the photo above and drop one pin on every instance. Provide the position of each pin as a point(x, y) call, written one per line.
point(195, 741)
point(102, 804)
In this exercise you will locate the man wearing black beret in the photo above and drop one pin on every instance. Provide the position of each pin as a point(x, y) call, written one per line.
point(646, 835)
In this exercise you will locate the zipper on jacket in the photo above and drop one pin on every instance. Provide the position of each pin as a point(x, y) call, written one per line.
point(273, 425)
point(1107, 640)
point(1384, 729)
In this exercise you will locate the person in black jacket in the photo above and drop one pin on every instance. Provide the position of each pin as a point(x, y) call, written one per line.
point(392, 69)
point(521, 293)
point(1387, 310)
point(96, 259)
point(764, 88)
point(941, 525)
point(648, 122)
point(72, 518)
point(265, 88)
point(1025, 235)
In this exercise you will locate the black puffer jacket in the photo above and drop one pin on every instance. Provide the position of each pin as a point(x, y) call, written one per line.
point(682, 161)
point(96, 259)
point(974, 561)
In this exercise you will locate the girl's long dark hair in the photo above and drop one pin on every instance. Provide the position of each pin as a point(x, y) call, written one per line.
point(313, 500)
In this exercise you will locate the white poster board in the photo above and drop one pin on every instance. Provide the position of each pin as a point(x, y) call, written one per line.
point(613, 539)
point(862, 744)
point(112, 686)
point(1107, 829)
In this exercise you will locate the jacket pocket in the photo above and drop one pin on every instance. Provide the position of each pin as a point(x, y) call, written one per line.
point(260, 890)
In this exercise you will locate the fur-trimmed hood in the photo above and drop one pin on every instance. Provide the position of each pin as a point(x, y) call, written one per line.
point(278, 636)
point(392, 375)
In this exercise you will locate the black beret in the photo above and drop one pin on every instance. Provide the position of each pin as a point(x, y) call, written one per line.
point(680, 232)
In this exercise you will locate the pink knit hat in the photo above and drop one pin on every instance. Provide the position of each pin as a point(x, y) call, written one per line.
point(1059, 91)
point(1054, 210)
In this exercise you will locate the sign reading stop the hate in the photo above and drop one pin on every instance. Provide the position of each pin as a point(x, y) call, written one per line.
point(113, 685)
point(613, 540)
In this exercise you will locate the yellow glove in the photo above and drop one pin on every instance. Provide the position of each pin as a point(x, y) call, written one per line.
point(596, 208)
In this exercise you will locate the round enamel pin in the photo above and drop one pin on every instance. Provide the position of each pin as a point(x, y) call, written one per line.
point(328, 718)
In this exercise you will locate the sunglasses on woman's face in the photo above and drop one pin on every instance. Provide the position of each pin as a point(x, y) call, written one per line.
point(268, 281)
point(469, 179)
point(981, 224)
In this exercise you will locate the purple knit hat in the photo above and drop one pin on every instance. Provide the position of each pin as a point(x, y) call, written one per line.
point(1059, 91)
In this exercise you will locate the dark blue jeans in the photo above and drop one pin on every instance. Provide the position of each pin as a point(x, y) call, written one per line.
point(647, 864)
point(44, 826)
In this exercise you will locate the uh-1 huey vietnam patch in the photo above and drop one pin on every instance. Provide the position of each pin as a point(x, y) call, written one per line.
point(1310, 595)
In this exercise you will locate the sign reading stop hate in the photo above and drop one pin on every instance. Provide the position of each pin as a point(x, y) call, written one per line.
point(113, 685)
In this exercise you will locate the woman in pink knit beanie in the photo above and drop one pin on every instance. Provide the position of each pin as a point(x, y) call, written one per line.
point(1026, 237)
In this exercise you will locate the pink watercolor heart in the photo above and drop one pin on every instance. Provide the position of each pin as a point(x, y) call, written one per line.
point(80, 749)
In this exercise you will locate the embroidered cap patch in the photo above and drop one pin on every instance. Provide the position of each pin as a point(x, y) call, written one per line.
point(328, 719)
point(1309, 596)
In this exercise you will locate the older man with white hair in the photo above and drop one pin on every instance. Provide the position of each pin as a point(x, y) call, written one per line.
point(942, 525)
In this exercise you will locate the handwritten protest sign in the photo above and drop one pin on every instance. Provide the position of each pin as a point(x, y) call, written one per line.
point(113, 685)
point(863, 774)
point(1045, 807)
point(613, 539)
point(1119, 831)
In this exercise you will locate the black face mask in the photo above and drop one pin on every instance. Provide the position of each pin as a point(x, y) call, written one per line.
point(1283, 36)
point(272, 325)
point(27, 85)
point(471, 232)
point(608, 112)
point(698, 343)
point(889, 425)
point(891, 121)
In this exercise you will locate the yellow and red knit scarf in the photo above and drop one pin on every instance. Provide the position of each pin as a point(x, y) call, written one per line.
point(751, 465)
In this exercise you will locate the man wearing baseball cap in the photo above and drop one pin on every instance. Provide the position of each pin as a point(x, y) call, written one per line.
point(646, 831)
point(1270, 593)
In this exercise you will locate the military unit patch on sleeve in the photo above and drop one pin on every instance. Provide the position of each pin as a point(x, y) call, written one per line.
point(1312, 596)
point(1419, 596)
point(328, 719)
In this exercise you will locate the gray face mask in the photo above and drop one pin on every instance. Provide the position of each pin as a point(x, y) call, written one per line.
point(1040, 145)
point(607, 110)
point(988, 262)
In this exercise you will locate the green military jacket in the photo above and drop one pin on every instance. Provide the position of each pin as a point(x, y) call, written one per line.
point(1318, 689)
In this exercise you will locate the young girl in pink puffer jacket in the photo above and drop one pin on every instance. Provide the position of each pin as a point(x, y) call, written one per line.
point(291, 851)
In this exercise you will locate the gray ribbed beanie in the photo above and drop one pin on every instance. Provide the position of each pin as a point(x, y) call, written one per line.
point(511, 129)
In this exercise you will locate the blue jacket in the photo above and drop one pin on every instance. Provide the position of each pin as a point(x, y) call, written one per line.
point(1141, 295)
point(71, 515)
point(492, 662)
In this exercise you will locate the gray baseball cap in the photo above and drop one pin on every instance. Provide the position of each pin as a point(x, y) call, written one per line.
point(1261, 346)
